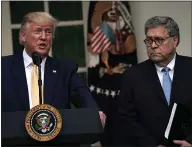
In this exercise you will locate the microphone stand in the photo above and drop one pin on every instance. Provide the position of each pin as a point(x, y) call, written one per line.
point(40, 81)
point(40, 85)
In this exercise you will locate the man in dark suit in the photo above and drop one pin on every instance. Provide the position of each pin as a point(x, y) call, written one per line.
point(150, 88)
point(60, 81)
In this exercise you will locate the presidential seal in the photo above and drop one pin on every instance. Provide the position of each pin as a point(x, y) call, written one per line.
point(43, 122)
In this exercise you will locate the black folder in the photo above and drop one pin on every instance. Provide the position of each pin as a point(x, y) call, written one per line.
point(181, 123)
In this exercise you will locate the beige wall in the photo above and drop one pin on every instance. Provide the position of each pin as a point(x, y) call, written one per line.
point(179, 11)
point(6, 31)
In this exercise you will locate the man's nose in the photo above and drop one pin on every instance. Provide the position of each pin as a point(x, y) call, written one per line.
point(43, 35)
point(154, 45)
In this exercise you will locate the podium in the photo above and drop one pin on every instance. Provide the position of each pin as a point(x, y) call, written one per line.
point(79, 126)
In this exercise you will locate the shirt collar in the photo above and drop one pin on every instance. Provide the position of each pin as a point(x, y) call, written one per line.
point(170, 65)
point(28, 60)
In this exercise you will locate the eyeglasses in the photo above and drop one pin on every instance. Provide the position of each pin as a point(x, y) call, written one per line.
point(158, 41)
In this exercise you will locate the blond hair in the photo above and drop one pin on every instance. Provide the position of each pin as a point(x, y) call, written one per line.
point(37, 17)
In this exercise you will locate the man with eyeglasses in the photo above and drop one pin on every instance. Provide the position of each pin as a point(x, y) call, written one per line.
point(151, 88)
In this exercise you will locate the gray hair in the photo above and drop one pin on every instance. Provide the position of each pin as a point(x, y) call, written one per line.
point(38, 17)
point(171, 26)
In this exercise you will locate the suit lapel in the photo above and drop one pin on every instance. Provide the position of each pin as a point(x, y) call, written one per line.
point(50, 77)
point(176, 79)
point(19, 78)
point(155, 82)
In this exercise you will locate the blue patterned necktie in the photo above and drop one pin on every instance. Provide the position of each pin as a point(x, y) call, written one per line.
point(167, 84)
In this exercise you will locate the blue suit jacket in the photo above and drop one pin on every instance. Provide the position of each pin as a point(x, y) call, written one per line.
point(59, 88)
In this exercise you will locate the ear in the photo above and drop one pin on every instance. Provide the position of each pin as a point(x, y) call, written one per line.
point(176, 41)
point(22, 36)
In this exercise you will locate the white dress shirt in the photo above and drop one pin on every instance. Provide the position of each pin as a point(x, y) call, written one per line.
point(28, 62)
point(171, 66)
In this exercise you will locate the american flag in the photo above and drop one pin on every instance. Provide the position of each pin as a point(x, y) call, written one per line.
point(100, 42)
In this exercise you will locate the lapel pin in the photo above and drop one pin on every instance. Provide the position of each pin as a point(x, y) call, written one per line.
point(54, 71)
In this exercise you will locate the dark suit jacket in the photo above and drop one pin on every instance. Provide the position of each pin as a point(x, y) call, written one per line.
point(143, 110)
point(59, 87)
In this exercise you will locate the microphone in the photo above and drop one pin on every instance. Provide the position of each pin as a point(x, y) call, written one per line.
point(37, 61)
point(36, 58)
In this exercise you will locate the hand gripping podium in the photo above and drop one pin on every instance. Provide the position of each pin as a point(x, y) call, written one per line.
point(79, 126)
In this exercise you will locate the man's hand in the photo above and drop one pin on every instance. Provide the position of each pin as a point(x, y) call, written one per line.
point(103, 118)
point(182, 143)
